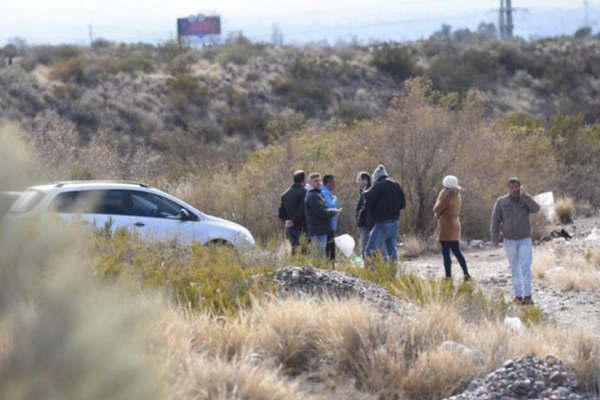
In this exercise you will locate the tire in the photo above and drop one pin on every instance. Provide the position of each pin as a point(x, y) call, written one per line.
point(220, 243)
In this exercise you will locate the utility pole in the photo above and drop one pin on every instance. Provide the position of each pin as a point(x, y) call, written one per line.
point(277, 36)
point(502, 21)
point(506, 25)
point(586, 7)
point(509, 20)
point(91, 33)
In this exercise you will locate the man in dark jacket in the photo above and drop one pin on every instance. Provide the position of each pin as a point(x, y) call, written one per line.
point(318, 216)
point(363, 221)
point(291, 210)
point(383, 203)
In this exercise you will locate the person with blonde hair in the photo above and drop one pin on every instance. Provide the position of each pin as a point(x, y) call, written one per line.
point(447, 211)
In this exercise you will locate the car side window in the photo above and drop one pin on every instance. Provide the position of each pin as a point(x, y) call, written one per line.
point(150, 205)
point(110, 202)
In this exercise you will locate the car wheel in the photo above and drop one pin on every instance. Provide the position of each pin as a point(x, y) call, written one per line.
point(220, 243)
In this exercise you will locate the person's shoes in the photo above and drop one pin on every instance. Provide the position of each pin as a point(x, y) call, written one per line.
point(518, 300)
point(527, 301)
point(467, 278)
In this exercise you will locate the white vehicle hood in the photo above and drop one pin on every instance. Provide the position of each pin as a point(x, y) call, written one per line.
point(242, 231)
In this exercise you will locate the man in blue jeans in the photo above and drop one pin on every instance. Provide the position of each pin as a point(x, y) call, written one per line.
point(511, 216)
point(331, 201)
point(318, 215)
point(383, 202)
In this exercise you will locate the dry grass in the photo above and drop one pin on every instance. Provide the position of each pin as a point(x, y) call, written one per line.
point(291, 347)
point(565, 210)
point(567, 270)
point(62, 335)
point(414, 247)
point(585, 209)
point(543, 262)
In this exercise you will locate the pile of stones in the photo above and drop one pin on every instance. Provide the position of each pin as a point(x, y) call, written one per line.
point(526, 378)
point(313, 281)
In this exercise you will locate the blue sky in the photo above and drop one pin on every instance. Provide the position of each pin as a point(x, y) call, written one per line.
point(66, 21)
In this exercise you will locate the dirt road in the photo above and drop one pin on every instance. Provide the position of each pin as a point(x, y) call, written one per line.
point(491, 271)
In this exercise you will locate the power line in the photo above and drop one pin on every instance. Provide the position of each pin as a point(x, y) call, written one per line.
point(506, 25)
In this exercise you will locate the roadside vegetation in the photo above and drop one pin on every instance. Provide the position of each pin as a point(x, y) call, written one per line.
point(569, 269)
point(104, 315)
point(224, 127)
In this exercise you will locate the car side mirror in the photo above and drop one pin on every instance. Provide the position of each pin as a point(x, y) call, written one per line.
point(184, 215)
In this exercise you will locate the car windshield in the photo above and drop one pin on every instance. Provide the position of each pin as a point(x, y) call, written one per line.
point(25, 203)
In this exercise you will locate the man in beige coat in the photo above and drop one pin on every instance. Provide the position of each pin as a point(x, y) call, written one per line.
point(447, 210)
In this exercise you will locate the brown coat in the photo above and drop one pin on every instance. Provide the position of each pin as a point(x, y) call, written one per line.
point(447, 210)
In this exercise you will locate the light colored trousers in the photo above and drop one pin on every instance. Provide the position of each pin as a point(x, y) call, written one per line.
point(520, 257)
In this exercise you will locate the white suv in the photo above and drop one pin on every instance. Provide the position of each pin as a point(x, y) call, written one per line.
point(153, 214)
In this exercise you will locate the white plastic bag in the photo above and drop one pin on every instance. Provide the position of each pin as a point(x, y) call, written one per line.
point(594, 235)
point(546, 202)
point(346, 244)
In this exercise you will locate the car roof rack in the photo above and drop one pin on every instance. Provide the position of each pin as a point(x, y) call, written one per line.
point(63, 183)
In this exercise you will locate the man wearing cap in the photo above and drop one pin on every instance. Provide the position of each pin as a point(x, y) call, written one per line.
point(383, 202)
point(511, 217)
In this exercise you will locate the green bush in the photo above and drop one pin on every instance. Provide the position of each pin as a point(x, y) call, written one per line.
point(306, 86)
point(397, 61)
point(213, 278)
point(461, 72)
point(47, 55)
point(350, 113)
point(246, 123)
point(307, 96)
point(239, 51)
point(207, 131)
point(185, 91)
point(287, 121)
point(133, 63)
point(69, 70)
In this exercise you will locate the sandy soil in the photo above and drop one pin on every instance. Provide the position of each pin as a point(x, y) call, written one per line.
point(491, 271)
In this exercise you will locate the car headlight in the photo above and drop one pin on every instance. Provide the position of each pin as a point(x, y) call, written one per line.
point(244, 239)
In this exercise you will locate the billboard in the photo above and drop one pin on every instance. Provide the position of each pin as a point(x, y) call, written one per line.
point(198, 26)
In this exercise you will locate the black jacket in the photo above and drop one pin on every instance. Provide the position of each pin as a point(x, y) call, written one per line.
point(292, 205)
point(318, 216)
point(363, 219)
point(384, 200)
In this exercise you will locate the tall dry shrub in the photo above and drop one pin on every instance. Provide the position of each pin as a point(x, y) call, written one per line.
point(424, 137)
point(63, 336)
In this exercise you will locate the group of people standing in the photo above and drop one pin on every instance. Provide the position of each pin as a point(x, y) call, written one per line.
point(311, 209)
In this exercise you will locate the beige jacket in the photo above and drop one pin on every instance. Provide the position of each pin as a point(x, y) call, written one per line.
point(447, 210)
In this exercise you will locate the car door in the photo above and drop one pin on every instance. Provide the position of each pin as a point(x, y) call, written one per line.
point(99, 208)
point(159, 218)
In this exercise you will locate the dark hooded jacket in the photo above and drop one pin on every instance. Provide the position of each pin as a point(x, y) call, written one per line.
point(292, 205)
point(384, 200)
point(363, 219)
point(318, 216)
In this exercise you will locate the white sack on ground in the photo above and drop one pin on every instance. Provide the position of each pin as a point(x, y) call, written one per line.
point(346, 244)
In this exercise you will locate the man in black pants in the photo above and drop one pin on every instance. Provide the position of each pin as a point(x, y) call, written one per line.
point(291, 210)
point(331, 201)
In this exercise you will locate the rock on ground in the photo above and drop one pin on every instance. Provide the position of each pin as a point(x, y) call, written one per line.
point(526, 378)
point(314, 281)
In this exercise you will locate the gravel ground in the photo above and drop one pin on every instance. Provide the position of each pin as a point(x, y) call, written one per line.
point(490, 269)
point(526, 378)
point(314, 281)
